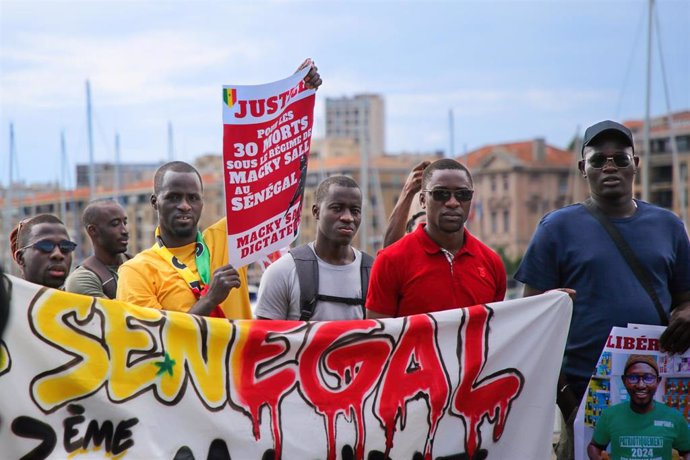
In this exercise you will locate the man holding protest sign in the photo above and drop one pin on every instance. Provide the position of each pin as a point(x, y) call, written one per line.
point(440, 265)
point(175, 273)
point(186, 270)
point(326, 279)
point(628, 261)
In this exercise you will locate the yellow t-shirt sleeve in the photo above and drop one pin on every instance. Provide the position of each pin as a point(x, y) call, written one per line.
point(136, 288)
point(236, 305)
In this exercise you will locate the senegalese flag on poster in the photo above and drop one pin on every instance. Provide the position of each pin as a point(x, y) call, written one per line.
point(229, 96)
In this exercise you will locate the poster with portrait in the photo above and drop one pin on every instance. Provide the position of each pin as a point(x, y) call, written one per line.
point(266, 141)
point(606, 387)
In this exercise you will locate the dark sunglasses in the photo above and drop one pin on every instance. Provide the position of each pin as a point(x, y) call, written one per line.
point(443, 195)
point(48, 246)
point(599, 160)
point(634, 379)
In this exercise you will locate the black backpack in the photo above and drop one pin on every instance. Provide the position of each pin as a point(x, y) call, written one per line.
point(308, 275)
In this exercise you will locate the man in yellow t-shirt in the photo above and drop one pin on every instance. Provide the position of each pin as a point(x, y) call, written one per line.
point(184, 270)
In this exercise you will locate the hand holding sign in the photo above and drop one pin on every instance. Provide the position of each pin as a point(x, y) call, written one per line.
point(266, 139)
point(313, 79)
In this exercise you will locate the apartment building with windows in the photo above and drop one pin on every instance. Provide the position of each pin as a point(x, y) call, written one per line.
point(361, 118)
point(134, 197)
point(515, 185)
point(662, 190)
point(329, 157)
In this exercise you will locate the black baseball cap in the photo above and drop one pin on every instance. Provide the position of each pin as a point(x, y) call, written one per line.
point(607, 126)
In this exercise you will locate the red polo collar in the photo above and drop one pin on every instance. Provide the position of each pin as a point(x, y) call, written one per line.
point(469, 245)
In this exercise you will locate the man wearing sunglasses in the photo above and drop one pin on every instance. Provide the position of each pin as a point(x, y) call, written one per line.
point(43, 250)
point(572, 249)
point(440, 265)
point(640, 428)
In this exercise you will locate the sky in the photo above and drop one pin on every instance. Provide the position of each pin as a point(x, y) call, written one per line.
point(509, 70)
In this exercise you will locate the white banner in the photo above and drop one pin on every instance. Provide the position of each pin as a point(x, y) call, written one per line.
point(100, 378)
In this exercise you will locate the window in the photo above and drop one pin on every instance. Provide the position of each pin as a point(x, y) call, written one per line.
point(493, 183)
point(506, 182)
point(506, 221)
point(494, 222)
point(563, 184)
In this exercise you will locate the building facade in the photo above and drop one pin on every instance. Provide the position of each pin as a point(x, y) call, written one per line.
point(662, 189)
point(105, 173)
point(360, 118)
point(329, 157)
point(515, 185)
point(69, 205)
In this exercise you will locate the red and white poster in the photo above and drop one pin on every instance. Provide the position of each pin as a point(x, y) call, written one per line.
point(266, 138)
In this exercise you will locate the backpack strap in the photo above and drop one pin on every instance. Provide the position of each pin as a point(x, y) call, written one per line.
point(364, 272)
point(628, 254)
point(308, 276)
point(106, 277)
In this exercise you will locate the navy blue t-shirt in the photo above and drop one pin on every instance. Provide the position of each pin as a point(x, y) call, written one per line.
point(571, 249)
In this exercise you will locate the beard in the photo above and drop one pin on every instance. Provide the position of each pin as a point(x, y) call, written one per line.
point(184, 232)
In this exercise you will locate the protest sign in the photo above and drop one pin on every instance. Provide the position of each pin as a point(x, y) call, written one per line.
point(606, 387)
point(266, 140)
point(101, 378)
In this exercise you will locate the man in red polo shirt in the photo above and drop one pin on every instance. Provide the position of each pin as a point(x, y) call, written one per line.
point(440, 265)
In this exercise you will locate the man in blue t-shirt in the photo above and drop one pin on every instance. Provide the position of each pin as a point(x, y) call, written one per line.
point(571, 249)
point(642, 428)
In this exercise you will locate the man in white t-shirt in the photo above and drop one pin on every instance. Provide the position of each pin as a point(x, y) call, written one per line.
point(335, 272)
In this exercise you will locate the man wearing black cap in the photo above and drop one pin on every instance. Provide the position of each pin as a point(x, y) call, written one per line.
point(571, 248)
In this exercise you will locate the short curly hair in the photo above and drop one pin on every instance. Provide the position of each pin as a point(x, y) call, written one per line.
point(444, 163)
point(322, 189)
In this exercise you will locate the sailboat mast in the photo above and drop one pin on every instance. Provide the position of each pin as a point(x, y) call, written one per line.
point(647, 118)
point(171, 148)
point(7, 220)
point(451, 129)
point(116, 172)
point(89, 131)
point(63, 178)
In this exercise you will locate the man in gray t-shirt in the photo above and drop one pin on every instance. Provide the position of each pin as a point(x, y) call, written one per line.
point(105, 222)
point(338, 213)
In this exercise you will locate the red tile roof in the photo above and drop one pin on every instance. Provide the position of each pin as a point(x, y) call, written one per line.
point(660, 123)
point(353, 161)
point(522, 152)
